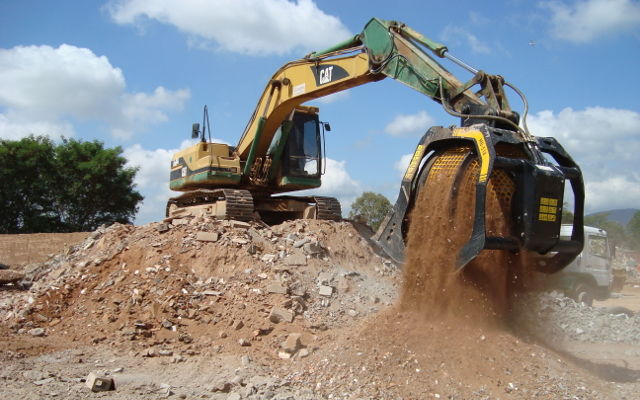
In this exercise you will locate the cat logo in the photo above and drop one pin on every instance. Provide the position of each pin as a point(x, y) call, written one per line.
point(325, 75)
point(328, 73)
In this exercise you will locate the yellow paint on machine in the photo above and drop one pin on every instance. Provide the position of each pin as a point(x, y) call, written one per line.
point(415, 162)
point(483, 148)
point(548, 209)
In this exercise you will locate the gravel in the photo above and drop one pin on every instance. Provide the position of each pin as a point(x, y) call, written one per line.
point(553, 316)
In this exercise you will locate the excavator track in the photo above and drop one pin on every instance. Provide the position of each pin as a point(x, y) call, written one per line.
point(328, 208)
point(239, 203)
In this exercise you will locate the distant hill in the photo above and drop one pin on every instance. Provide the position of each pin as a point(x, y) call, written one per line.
point(621, 216)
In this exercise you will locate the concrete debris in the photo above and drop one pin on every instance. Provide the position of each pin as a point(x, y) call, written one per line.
point(99, 383)
point(295, 259)
point(326, 291)
point(36, 332)
point(553, 315)
point(276, 287)
point(207, 236)
point(301, 242)
point(278, 314)
point(292, 343)
point(162, 228)
point(43, 382)
point(10, 276)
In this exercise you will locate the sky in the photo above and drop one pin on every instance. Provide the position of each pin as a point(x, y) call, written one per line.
point(137, 73)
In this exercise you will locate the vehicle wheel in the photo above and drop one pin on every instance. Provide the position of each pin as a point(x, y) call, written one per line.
point(584, 293)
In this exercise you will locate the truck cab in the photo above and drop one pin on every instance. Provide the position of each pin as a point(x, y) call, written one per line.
point(589, 276)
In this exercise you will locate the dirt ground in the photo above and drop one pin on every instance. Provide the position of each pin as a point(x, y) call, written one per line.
point(628, 297)
point(204, 309)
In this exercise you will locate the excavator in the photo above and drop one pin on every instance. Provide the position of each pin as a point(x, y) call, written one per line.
point(281, 150)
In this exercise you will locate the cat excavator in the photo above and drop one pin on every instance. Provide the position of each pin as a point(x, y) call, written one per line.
point(281, 150)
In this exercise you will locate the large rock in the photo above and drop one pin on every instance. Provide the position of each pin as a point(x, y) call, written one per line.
point(99, 383)
point(10, 276)
point(278, 314)
point(207, 236)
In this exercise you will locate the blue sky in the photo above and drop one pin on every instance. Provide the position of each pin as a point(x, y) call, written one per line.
point(136, 74)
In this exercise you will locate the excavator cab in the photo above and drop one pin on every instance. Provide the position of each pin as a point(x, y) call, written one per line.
point(301, 156)
point(302, 153)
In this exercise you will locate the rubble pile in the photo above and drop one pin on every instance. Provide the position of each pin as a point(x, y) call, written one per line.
point(197, 286)
point(556, 317)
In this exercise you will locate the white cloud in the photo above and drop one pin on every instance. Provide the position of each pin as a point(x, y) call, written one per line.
point(586, 20)
point(605, 142)
point(12, 129)
point(402, 164)
point(256, 27)
point(44, 90)
point(332, 98)
point(456, 35)
point(337, 182)
point(409, 125)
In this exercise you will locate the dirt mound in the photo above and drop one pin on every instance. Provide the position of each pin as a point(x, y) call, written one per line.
point(200, 285)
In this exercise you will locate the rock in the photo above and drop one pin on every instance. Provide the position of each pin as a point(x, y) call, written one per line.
point(292, 343)
point(276, 287)
point(207, 236)
point(244, 342)
point(166, 324)
point(301, 242)
point(165, 353)
point(165, 389)
point(302, 353)
point(312, 248)
point(117, 370)
point(221, 386)
point(238, 325)
point(326, 291)
point(295, 259)
point(36, 332)
point(88, 243)
point(245, 360)
point(179, 221)
point(222, 334)
point(43, 382)
point(239, 241)
point(240, 224)
point(10, 276)
point(233, 396)
point(269, 257)
point(212, 293)
point(352, 313)
point(278, 314)
point(162, 228)
point(99, 383)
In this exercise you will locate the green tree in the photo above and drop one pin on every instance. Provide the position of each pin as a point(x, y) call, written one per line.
point(372, 207)
point(567, 215)
point(71, 186)
point(615, 231)
point(633, 228)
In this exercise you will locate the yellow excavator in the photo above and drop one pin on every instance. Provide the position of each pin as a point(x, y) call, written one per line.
point(281, 150)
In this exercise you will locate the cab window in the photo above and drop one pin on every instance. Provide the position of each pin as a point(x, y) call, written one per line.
point(302, 152)
point(598, 246)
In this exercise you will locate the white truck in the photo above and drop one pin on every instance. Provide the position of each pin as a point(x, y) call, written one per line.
point(589, 276)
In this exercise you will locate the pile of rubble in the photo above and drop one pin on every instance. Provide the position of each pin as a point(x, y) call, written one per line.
point(552, 315)
point(197, 286)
